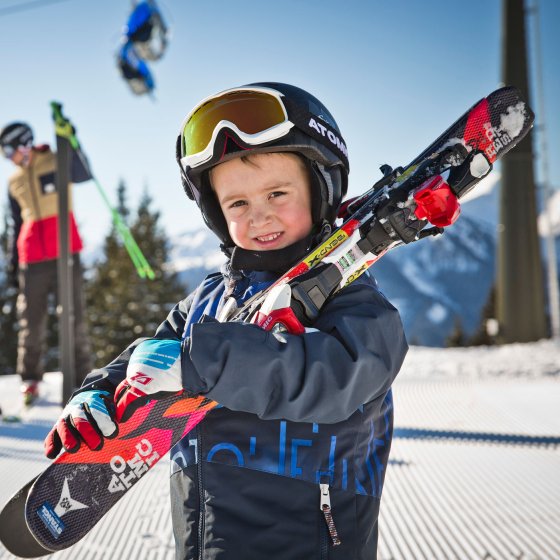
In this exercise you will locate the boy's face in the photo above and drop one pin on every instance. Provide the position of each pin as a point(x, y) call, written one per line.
point(265, 199)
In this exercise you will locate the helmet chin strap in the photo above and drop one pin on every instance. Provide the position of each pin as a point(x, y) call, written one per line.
point(278, 260)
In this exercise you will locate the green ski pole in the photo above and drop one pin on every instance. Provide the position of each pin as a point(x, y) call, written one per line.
point(64, 128)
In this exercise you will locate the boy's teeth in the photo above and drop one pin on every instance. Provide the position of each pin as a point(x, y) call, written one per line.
point(270, 237)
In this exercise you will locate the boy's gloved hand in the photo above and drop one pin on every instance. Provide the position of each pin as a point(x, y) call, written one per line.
point(88, 417)
point(154, 372)
point(276, 315)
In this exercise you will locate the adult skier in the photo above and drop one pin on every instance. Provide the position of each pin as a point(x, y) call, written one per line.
point(32, 265)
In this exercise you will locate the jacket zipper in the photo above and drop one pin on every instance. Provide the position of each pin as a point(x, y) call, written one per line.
point(325, 505)
point(202, 507)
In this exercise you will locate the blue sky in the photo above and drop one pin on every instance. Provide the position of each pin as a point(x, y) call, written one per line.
point(394, 74)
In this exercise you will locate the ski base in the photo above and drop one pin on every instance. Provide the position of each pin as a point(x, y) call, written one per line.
point(14, 533)
point(70, 497)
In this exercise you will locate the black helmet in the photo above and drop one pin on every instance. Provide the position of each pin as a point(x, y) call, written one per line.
point(15, 135)
point(262, 117)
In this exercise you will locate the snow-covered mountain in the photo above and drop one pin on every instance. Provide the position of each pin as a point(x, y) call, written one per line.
point(441, 280)
point(433, 283)
point(194, 255)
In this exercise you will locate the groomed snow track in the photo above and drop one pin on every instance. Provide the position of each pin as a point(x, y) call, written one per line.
point(474, 470)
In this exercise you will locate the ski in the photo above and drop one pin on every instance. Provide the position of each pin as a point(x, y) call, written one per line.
point(397, 209)
point(14, 533)
point(77, 490)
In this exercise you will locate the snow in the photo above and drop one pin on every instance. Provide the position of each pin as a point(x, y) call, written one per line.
point(192, 240)
point(413, 272)
point(210, 261)
point(437, 313)
point(511, 361)
point(512, 122)
point(549, 219)
point(473, 471)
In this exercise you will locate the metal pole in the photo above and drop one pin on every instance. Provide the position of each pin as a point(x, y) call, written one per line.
point(65, 266)
point(553, 297)
point(520, 285)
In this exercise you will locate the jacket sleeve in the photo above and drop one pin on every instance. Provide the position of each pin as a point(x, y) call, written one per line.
point(15, 228)
point(321, 376)
point(108, 377)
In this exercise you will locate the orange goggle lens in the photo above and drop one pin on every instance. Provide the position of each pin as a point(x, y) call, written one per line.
point(250, 111)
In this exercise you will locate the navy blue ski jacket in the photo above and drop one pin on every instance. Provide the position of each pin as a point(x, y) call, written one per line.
point(296, 412)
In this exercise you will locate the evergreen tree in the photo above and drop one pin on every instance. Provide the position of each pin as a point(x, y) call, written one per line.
point(121, 305)
point(482, 337)
point(457, 336)
point(8, 319)
point(122, 207)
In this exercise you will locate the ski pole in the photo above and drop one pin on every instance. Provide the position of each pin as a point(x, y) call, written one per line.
point(141, 264)
point(64, 128)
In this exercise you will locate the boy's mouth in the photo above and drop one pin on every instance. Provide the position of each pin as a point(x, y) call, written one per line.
point(269, 237)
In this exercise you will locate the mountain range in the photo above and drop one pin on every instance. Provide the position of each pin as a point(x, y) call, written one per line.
point(435, 284)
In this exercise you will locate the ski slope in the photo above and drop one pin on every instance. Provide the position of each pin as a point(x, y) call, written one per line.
point(474, 469)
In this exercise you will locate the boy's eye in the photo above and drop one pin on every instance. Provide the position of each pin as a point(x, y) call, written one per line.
point(237, 204)
point(276, 194)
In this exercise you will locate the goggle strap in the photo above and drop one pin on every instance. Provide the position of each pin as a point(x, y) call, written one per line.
point(317, 128)
point(184, 179)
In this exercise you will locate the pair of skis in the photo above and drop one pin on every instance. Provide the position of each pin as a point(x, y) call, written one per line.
point(62, 504)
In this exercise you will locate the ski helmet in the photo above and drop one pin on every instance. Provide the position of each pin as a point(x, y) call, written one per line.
point(258, 118)
point(14, 136)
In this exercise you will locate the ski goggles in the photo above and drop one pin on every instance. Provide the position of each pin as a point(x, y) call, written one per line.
point(9, 151)
point(257, 115)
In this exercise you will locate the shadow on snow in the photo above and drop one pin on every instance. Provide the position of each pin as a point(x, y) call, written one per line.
point(477, 437)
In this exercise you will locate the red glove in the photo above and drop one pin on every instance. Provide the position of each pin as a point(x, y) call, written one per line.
point(88, 417)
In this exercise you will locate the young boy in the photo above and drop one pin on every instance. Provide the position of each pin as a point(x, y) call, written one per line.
point(303, 420)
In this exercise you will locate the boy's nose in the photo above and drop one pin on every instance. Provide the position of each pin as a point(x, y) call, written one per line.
point(260, 215)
